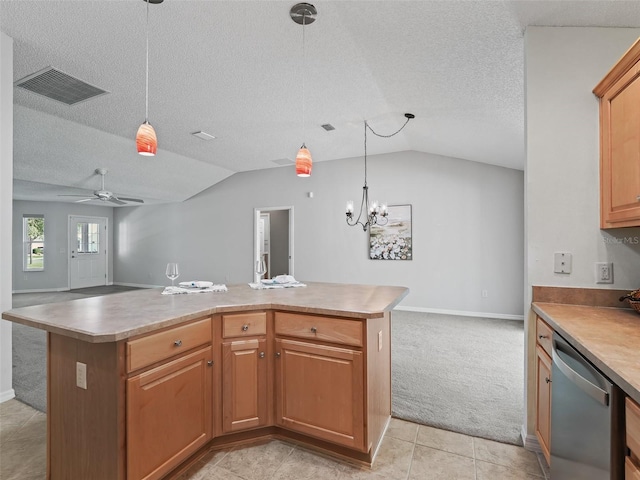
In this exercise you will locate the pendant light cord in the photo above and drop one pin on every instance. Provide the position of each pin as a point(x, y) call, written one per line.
point(366, 126)
point(304, 71)
point(146, 109)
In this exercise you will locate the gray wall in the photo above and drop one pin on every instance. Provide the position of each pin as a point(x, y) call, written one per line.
point(562, 169)
point(279, 222)
point(56, 220)
point(467, 230)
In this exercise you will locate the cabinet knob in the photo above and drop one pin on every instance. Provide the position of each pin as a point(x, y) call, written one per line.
point(277, 354)
point(543, 336)
point(245, 327)
point(638, 198)
point(261, 354)
point(210, 363)
point(314, 330)
point(178, 343)
point(547, 379)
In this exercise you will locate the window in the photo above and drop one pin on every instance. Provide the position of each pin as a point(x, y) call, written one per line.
point(33, 240)
point(88, 237)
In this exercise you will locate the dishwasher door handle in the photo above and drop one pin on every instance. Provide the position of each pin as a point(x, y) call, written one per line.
point(594, 391)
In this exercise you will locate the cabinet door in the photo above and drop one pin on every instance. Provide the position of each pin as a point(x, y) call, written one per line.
point(620, 149)
point(244, 385)
point(320, 392)
point(543, 401)
point(168, 414)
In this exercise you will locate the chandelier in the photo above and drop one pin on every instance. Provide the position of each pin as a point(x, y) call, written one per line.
point(371, 213)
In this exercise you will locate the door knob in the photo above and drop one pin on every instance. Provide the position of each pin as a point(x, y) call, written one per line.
point(210, 363)
point(261, 354)
point(245, 327)
point(178, 343)
point(314, 330)
point(547, 379)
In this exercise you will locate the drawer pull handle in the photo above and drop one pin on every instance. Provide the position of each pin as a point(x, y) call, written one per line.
point(178, 343)
point(245, 327)
point(210, 363)
point(314, 330)
point(277, 354)
point(261, 354)
point(547, 379)
point(543, 336)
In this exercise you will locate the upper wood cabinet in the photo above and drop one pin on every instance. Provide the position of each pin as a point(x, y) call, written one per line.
point(619, 93)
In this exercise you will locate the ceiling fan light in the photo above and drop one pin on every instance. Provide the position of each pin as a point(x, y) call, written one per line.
point(146, 140)
point(304, 163)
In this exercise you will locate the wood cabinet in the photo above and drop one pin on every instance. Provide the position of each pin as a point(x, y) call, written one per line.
point(168, 414)
point(632, 436)
point(543, 386)
point(245, 372)
point(320, 391)
point(619, 93)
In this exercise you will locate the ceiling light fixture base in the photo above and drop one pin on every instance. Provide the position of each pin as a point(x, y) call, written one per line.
point(303, 13)
point(153, 2)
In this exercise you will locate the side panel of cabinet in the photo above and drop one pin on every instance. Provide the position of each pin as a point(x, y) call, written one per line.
point(244, 385)
point(543, 401)
point(320, 392)
point(168, 414)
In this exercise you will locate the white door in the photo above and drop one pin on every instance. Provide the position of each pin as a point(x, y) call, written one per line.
point(87, 251)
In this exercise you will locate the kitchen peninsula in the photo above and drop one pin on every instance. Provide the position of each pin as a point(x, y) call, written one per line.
point(141, 384)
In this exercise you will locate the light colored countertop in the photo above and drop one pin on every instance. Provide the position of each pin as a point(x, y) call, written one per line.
point(608, 337)
point(119, 316)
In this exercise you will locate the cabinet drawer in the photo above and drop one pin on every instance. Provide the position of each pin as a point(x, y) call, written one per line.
point(631, 470)
point(633, 426)
point(544, 334)
point(159, 346)
point(244, 324)
point(335, 330)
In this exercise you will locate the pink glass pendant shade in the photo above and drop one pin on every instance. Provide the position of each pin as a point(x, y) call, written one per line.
point(303, 162)
point(146, 140)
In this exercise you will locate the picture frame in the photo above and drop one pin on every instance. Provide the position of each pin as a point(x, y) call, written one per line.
point(393, 240)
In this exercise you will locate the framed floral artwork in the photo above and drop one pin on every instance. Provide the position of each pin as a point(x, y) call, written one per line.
point(392, 241)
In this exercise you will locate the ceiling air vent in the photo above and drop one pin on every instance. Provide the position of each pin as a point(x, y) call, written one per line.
point(59, 86)
point(283, 161)
point(328, 127)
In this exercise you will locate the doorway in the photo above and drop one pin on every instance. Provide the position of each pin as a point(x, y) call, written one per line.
point(273, 240)
point(87, 251)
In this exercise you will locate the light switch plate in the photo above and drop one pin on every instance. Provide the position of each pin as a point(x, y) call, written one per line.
point(562, 262)
point(81, 375)
point(380, 340)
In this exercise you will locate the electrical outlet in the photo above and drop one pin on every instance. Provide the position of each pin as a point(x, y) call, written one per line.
point(81, 375)
point(604, 272)
point(380, 340)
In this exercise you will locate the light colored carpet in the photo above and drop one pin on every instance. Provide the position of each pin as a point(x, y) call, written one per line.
point(29, 348)
point(459, 373)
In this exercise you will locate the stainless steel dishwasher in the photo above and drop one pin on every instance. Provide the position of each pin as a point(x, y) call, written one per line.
point(586, 419)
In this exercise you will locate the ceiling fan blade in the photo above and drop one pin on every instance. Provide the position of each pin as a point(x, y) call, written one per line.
point(116, 201)
point(85, 200)
point(131, 199)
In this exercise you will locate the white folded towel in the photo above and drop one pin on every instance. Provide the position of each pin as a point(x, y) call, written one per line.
point(196, 284)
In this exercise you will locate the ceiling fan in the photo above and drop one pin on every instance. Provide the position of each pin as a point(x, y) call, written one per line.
point(104, 195)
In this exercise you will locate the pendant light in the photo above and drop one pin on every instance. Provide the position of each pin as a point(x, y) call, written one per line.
point(371, 213)
point(146, 139)
point(303, 14)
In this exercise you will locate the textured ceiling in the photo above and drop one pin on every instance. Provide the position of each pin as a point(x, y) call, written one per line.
point(234, 69)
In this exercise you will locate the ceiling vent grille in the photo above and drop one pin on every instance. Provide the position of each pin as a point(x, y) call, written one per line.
point(59, 86)
point(283, 161)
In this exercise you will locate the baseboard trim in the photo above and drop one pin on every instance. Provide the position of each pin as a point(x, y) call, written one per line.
point(7, 395)
point(42, 290)
point(530, 442)
point(504, 316)
point(138, 285)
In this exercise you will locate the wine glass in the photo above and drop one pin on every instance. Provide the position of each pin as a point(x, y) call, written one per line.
point(172, 272)
point(261, 269)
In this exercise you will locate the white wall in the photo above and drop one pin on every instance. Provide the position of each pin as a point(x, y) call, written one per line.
point(467, 230)
point(563, 65)
point(6, 194)
point(55, 275)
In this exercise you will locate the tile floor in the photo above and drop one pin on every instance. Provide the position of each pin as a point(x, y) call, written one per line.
point(408, 452)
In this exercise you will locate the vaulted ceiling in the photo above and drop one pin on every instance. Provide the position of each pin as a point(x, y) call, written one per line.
point(235, 69)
